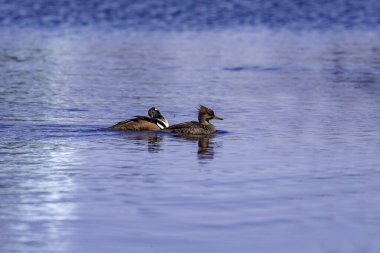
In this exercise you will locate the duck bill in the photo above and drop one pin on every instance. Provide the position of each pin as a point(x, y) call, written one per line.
point(216, 117)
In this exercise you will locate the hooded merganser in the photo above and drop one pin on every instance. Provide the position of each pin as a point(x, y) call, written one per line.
point(200, 127)
point(154, 122)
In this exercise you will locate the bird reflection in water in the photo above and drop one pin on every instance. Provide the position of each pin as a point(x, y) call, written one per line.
point(205, 145)
point(154, 141)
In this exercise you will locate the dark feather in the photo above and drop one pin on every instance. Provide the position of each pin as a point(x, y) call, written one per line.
point(191, 128)
point(189, 124)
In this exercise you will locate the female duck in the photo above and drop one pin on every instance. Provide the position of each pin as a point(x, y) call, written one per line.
point(200, 127)
point(154, 122)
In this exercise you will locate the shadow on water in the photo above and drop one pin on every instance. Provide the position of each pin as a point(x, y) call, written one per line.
point(363, 78)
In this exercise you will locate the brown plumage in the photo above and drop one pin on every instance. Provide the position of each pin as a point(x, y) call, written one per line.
point(154, 122)
point(200, 127)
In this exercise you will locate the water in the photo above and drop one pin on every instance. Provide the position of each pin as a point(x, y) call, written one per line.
point(294, 167)
point(192, 14)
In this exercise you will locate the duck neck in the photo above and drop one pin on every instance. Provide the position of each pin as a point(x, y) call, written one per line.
point(203, 119)
point(163, 121)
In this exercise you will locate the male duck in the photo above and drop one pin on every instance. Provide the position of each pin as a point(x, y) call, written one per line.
point(154, 122)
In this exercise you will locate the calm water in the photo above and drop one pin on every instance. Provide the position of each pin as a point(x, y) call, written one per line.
point(294, 166)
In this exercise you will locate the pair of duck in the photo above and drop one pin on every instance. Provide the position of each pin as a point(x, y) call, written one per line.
point(157, 122)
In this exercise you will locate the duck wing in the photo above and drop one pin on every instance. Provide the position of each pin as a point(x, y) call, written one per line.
point(135, 119)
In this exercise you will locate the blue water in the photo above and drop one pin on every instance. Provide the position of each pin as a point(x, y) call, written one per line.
point(294, 166)
point(192, 14)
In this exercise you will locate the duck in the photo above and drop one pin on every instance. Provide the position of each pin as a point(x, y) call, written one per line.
point(200, 127)
point(154, 122)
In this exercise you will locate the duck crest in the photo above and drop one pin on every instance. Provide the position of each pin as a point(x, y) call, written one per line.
point(204, 110)
point(157, 117)
point(205, 114)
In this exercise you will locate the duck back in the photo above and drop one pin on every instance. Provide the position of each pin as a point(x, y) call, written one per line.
point(140, 123)
point(191, 128)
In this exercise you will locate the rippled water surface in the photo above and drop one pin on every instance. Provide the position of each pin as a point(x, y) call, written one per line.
point(294, 167)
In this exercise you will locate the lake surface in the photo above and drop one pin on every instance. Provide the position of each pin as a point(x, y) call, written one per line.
point(294, 166)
